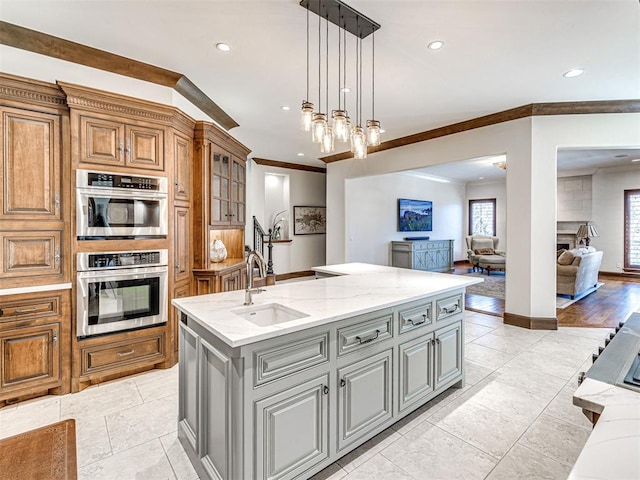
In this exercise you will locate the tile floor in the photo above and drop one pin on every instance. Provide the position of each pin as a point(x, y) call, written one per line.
point(513, 419)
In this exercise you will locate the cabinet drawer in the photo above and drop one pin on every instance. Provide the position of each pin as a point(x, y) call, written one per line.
point(416, 317)
point(40, 307)
point(278, 362)
point(402, 247)
point(372, 331)
point(447, 307)
point(144, 350)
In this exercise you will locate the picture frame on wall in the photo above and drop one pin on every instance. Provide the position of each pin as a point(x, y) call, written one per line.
point(309, 220)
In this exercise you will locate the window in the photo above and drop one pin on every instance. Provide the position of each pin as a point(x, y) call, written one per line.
point(632, 229)
point(482, 217)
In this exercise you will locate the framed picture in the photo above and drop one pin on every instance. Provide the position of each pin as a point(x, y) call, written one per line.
point(309, 220)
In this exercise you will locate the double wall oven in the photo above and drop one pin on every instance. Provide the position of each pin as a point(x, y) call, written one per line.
point(125, 289)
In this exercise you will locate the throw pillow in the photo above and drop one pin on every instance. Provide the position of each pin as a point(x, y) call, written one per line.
point(560, 252)
point(484, 251)
point(566, 258)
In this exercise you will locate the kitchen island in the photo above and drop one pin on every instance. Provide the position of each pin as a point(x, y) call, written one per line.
point(286, 386)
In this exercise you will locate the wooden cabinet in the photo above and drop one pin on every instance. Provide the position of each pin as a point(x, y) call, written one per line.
point(34, 345)
point(365, 397)
point(182, 155)
point(221, 277)
point(181, 244)
point(34, 199)
point(430, 255)
point(105, 140)
point(31, 165)
point(228, 192)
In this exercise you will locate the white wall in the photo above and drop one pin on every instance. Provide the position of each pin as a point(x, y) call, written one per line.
point(497, 190)
point(305, 189)
point(608, 212)
point(372, 214)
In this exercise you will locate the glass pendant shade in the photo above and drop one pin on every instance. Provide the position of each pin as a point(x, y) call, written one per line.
point(318, 127)
point(306, 116)
point(373, 132)
point(358, 140)
point(326, 146)
point(360, 153)
point(340, 129)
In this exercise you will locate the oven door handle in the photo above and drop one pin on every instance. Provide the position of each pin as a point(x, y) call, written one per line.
point(128, 195)
point(111, 274)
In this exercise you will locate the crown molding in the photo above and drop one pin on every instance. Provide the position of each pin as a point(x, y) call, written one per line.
point(291, 166)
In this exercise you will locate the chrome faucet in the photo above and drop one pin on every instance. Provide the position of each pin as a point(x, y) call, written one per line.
point(259, 259)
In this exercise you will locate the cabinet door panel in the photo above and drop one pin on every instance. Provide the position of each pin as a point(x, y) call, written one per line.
point(364, 397)
point(31, 254)
point(292, 430)
point(215, 409)
point(188, 416)
point(237, 193)
point(30, 355)
point(182, 148)
point(145, 147)
point(416, 370)
point(182, 245)
point(448, 353)
point(30, 165)
point(101, 141)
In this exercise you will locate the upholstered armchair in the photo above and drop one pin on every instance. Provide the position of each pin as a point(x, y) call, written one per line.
point(482, 245)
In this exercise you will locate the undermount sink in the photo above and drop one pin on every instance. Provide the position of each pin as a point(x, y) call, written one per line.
point(268, 314)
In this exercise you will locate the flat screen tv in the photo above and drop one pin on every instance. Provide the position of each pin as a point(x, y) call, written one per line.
point(414, 215)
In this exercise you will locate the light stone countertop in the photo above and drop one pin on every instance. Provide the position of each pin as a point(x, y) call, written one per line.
point(366, 289)
point(34, 289)
point(613, 448)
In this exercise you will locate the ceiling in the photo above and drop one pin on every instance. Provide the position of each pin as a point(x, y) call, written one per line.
point(498, 55)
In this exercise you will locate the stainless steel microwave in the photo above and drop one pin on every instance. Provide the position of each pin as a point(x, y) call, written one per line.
point(116, 205)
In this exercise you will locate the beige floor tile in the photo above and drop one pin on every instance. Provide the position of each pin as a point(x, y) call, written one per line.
point(487, 357)
point(158, 384)
point(529, 381)
point(475, 372)
point(141, 423)
point(332, 472)
point(364, 452)
point(92, 440)
point(562, 407)
point(145, 462)
point(178, 457)
point(506, 344)
point(541, 363)
point(523, 334)
point(485, 320)
point(555, 438)
point(510, 401)
point(473, 331)
point(521, 463)
point(429, 452)
point(101, 400)
point(29, 415)
point(490, 431)
point(378, 468)
point(571, 354)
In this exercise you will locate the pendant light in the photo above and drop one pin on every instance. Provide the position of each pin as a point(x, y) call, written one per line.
point(326, 144)
point(373, 126)
point(358, 138)
point(340, 127)
point(306, 112)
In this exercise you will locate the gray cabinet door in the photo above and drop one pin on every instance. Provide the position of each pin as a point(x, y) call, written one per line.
point(448, 353)
point(188, 417)
point(292, 430)
point(215, 412)
point(365, 396)
point(416, 370)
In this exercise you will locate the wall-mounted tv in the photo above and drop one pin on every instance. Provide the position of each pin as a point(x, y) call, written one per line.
point(414, 215)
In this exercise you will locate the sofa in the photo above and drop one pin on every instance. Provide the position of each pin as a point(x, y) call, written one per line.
point(577, 270)
point(482, 251)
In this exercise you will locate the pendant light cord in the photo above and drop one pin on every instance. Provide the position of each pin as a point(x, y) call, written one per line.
point(373, 75)
point(326, 38)
point(307, 97)
point(319, 60)
point(339, 54)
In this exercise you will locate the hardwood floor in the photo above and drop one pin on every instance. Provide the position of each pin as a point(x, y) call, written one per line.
point(610, 304)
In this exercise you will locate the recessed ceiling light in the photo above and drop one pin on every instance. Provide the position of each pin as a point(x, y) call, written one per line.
point(436, 45)
point(382, 130)
point(286, 108)
point(574, 72)
point(636, 160)
point(345, 89)
point(480, 178)
point(301, 154)
point(622, 155)
point(223, 46)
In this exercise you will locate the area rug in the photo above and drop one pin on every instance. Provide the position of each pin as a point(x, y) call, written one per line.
point(493, 286)
point(47, 453)
point(563, 301)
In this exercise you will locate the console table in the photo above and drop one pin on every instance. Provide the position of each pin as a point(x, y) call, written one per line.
point(431, 255)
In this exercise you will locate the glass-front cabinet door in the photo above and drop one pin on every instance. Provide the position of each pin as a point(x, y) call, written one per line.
point(219, 188)
point(238, 192)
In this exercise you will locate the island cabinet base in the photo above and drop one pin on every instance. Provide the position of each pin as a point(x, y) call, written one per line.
point(290, 406)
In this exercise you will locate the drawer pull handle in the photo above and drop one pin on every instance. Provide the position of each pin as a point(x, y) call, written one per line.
point(26, 310)
point(343, 382)
point(420, 322)
point(325, 390)
point(450, 308)
point(368, 340)
point(124, 354)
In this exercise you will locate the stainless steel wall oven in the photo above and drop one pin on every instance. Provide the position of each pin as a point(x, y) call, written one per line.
point(119, 291)
point(116, 205)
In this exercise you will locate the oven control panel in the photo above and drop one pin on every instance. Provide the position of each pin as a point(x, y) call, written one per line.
point(114, 180)
point(110, 260)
